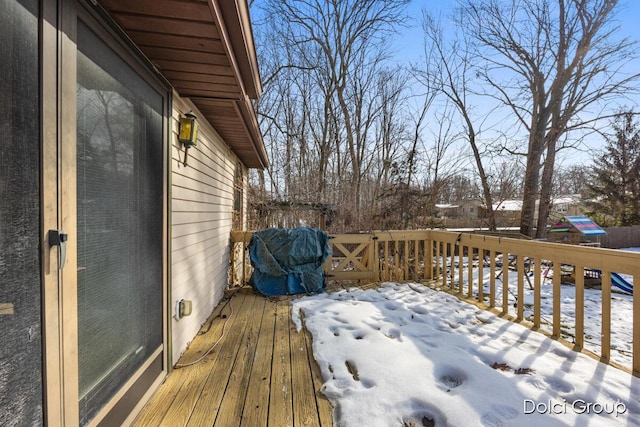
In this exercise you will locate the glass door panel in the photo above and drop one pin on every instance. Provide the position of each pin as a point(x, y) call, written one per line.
point(119, 221)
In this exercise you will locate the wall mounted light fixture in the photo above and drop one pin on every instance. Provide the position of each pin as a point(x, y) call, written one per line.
point(188, 134)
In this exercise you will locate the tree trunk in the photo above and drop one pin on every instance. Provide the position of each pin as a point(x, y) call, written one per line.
point(546, 188)
point(531, 181)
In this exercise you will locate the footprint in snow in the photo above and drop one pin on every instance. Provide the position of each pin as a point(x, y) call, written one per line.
point(359, 334)
point(393, 333)
point(559, 385)
point(419, 309)
point(449, 378)
point(391, 305)
point(497, 414)
point(424, 414)
point(454, 325)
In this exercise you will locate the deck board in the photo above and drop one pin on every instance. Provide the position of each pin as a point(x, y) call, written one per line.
point(256, 407)
point(233, 403)
point(280, 403)
point(193, 391)
point(305, 411)
point(165, 398)
point(262, 372)
point(325, 410)
point(218, 375)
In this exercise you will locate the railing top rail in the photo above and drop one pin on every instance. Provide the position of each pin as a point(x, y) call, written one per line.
point(611, 259)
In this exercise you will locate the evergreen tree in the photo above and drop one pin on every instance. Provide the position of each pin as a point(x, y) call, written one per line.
point(615, 178)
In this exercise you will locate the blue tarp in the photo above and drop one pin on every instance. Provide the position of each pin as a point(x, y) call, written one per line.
point(288, 262)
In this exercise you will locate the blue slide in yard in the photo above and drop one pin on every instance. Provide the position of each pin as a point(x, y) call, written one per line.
point(620, 283)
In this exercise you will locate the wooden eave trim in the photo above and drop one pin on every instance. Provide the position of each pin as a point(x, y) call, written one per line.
point(246, 111)
point(234, 14)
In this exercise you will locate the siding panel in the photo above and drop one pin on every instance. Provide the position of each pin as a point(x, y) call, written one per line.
point(201, 220)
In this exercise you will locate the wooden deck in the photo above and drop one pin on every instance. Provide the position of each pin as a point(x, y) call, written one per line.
point(261, 373)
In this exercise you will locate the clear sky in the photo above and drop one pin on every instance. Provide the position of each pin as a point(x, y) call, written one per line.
point(411, 38)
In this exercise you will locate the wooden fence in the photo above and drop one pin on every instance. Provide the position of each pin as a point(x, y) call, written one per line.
point(621, 237)
point(444, 258)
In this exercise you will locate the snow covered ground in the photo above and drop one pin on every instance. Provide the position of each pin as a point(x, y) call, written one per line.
point(406, 355)
point(621, 310)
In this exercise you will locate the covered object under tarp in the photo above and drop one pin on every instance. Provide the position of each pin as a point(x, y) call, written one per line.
point(288, 262)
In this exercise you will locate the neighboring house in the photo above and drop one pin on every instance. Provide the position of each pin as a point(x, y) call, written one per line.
point(566, 205)
point(508, 212)
point(467, 208)
point(446, 210)
point(92, 93)
point(470, 208)
point(465, 213)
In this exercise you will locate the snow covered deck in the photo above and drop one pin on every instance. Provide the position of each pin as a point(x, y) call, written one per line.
point(390, 354)
point(263, 373)
point(511, 277)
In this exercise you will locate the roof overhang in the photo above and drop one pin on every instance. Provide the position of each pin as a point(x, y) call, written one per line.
point(205, 49)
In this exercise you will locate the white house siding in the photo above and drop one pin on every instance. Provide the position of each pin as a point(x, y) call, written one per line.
point(201, 220)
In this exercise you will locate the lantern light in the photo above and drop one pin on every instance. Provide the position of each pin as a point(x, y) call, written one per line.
point(188, 134)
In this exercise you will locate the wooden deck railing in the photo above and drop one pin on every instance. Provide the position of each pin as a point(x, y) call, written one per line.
point(441, 257)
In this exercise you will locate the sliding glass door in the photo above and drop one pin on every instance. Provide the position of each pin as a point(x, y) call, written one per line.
point(120, 205)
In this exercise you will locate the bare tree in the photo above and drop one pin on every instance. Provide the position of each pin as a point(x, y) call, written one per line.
point(450, 69)
point(341, 46)
point(555, 64)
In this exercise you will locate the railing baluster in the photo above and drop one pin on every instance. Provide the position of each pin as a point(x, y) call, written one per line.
point(405, 243)
point(579, 326)
point(423, 247)
point(521, 273)
point(505, 283)
point(481, 266)
point(437, 259)
point(492, 279)
point(605, 340)
point(375, 258)
point(244, 261)
point(443, 261)
point(537, 290)
point(396, 259)
point(635, 366)
point(416, 258)
point(557, 276)
point(460, 266)
point(470, 272)
point(386, 261)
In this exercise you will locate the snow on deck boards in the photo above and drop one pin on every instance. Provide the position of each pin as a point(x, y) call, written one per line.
point(262, 373)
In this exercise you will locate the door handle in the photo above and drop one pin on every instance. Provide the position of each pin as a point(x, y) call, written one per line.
point(59, 238)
